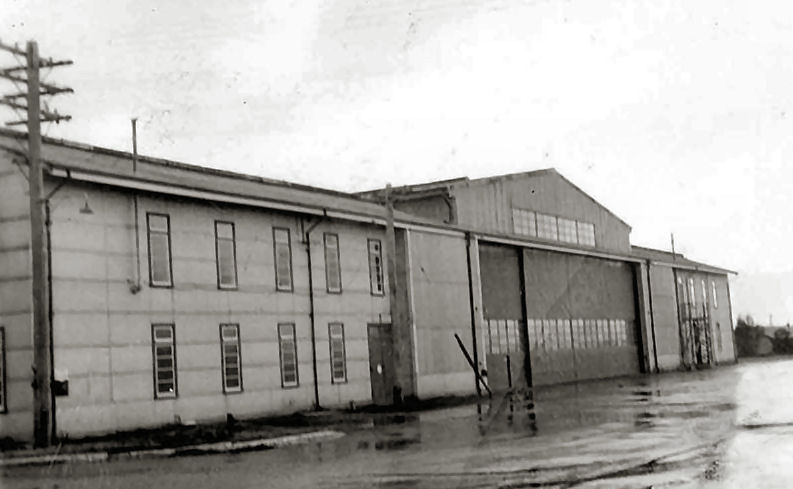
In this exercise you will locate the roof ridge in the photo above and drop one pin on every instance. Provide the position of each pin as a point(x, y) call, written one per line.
point(182, 165)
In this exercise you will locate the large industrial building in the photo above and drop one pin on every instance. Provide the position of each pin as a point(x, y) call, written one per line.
point(183, 293)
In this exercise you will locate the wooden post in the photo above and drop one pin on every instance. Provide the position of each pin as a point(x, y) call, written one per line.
point(42, 399)
point(393, 290)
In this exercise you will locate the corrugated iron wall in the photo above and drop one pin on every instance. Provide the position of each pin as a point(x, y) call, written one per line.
point(581, 315)
point(487, 206)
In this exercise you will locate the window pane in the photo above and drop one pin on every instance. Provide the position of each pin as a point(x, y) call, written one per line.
point(581, 332)
point(567, 230)
point(288, 355)
point(590, 333)
point(230, 357)
point(159, 256)
point(283, 259)
point(158, 223)
point(2, 369)
point(163, 332)
point(164, 360)
point(224, 230)
point(338, 367)
point(227, 274)
point(229, 332)
point(332, 265)
point(586, 233)
point(375, 268)
point(566, 334)
point(286, 331)
point(524, 222)
point(715, 296)
point(546, 227)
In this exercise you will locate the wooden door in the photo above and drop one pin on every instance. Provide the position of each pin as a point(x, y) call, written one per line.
point(381, 363)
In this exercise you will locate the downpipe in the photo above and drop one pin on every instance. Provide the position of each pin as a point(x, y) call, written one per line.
point(311, 314)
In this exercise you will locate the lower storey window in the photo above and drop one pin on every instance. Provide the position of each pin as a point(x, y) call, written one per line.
point(501, 335)
point(230, 356)
point(579, 334)
point(164, 352)
point(338, 362)
point(3, 402)
point(288, 348)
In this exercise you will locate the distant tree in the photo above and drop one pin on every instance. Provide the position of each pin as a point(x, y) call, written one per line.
point(782, 341)
point(746, 336)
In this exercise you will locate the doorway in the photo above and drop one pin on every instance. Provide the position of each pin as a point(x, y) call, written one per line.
point(381, 363)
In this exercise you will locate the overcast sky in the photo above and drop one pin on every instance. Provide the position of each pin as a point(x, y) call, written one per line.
point(675, 114)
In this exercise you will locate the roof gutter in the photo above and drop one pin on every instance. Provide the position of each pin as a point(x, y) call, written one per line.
point(695, 268)
point(560, 249)
point(156, 187)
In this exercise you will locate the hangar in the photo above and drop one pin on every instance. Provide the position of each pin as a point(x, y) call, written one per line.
point(184, 293)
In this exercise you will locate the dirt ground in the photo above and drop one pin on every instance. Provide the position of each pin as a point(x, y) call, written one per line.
point(727, 427)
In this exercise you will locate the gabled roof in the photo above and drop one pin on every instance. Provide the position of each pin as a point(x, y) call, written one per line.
point(413, 188)
point(675, 260)
point(106, 165)
point(549, 171)
point(442, 185)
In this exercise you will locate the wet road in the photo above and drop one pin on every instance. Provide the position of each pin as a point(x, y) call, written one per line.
point(729, 427)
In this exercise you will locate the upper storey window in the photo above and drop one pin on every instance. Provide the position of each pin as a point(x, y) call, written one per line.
point(555, 228)
point(282, 248)
point(586, 233)
point(159, 229)
point(525, 222)
point(546, 227)
point(567, 230)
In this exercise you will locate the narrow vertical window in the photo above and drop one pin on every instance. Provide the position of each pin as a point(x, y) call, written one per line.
point(164, 351)
point(376, 285)
point(715, 296)
point(704, 294)
point(288, 347)
point(282, 248)
point(159, 229)
point(3, 401)
point(230, 357)
point(226, 254)
point(338, 360)
point(692, 296)
point(332, 263)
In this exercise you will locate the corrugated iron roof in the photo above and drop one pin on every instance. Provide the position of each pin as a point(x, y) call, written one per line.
point(71, 156)
point(675, 260)
point(443, 184)
point(109, 162)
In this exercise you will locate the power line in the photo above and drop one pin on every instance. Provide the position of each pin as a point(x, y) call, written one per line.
point(29, 101)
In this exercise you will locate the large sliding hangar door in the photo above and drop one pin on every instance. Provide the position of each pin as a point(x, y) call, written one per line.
point(575, 314)
point(504, 329)
point(581, 317)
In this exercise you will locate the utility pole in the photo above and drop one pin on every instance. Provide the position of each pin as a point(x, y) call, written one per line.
point(672, 235)
point(42, 348)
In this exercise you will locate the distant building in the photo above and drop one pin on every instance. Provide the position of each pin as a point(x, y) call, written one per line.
point(181, 292)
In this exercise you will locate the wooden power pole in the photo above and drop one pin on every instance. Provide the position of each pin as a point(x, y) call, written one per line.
point(42, 351)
